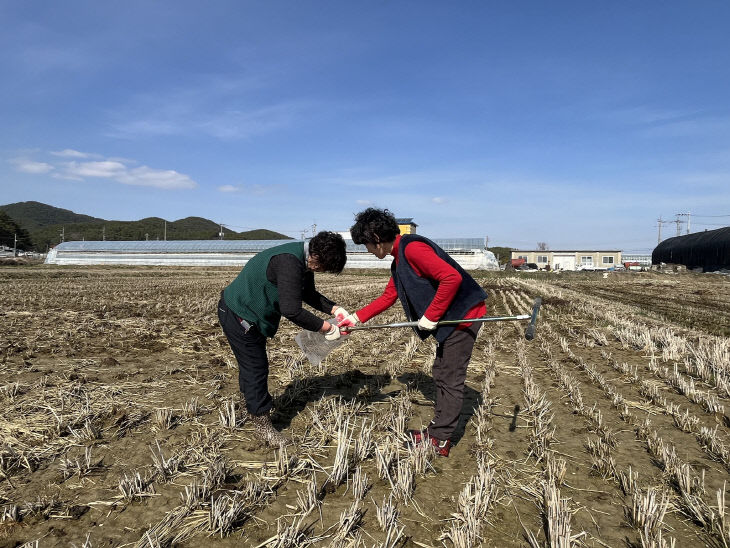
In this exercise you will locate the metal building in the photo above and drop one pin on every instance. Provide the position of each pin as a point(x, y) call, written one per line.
point(708, 250)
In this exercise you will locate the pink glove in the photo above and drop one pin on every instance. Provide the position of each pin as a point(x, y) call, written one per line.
point(340, 314)
point(350, 321)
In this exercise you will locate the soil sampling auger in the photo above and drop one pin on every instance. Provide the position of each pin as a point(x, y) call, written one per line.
point(529, 332)
point(316, 347)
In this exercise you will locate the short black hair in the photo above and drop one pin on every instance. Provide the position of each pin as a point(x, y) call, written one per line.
point(329, 250)
point(373, 226)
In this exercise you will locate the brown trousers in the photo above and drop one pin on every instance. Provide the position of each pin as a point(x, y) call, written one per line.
point(449, 374)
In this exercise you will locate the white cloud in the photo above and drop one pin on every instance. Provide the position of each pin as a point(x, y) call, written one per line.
point(103, 169)
point(439, 200)
point(256, 190)
point(364, 202)
point(113, 169)
point(35, 168)
point(70, 153)
point(166, 179)
point(66, 176)
point(229, 188)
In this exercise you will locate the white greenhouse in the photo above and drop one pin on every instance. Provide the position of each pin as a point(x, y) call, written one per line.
point(470, 253)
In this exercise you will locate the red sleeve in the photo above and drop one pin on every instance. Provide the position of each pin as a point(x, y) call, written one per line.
point(385, 301)
point(427, 264)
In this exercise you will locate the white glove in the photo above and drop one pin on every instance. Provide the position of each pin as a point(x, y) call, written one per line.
point(340, 314)
point(425, 324)
point(333, 334)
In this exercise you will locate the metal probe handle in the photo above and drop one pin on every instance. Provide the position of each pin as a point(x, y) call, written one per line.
point(530, 331)
point(439, 324)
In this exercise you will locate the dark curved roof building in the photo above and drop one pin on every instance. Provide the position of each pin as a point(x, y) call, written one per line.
point(709, 250)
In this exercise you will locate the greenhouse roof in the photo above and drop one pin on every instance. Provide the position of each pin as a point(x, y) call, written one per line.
point(225, 246)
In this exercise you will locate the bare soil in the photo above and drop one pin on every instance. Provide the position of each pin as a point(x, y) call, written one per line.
point(104, 369)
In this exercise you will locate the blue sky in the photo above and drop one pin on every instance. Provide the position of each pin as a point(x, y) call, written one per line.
point(574, 123)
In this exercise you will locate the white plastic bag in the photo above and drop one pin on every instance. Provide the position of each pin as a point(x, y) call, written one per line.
point(315, 346)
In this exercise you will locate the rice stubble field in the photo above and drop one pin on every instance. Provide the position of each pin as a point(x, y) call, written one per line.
point(120, 422)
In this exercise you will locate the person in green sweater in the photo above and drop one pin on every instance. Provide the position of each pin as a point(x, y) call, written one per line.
point(275, 283)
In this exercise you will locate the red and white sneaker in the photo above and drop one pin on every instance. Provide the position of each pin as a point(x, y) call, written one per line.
point(442, 447)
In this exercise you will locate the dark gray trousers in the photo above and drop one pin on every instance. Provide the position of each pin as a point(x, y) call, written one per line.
point(249, 347)
point(449, 374)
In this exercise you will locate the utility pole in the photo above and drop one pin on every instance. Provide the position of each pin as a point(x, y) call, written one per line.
point(220, 234)
point(659, 226)
point(314, 229)
point(679, 225)
point(165, 230)
point(304, 233)
point(63, 234)
point(486, 242)
point(15, 246)
point(689, 219)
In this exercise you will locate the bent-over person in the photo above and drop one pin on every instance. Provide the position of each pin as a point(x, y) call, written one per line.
point(275, 283)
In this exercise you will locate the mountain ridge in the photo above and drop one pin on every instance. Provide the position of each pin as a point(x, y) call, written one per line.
point(47, 225)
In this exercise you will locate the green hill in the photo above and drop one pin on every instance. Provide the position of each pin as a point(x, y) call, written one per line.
point(32, 215)
point(46, 224)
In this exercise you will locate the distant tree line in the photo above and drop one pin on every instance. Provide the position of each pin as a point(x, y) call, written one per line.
point(145, 229)
point(9, 230)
